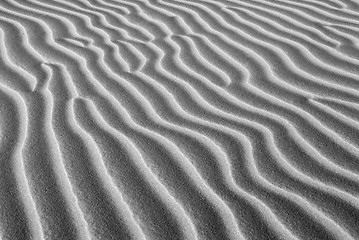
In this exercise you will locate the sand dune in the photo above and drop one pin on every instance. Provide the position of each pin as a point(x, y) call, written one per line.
point(178, 119)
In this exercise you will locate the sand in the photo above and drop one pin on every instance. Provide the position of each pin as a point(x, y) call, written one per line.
point(179, 119)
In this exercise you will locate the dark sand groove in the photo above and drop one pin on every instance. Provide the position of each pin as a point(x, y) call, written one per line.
point(179, 119)
point(14, 222)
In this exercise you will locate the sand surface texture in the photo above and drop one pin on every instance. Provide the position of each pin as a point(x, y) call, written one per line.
point(179, 119)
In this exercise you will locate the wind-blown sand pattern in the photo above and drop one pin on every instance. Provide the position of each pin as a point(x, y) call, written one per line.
point(179, 119)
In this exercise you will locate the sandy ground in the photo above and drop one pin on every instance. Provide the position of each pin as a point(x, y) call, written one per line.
point(179, 119)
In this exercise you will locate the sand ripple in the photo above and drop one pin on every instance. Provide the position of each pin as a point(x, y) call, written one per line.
point(179, 119)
